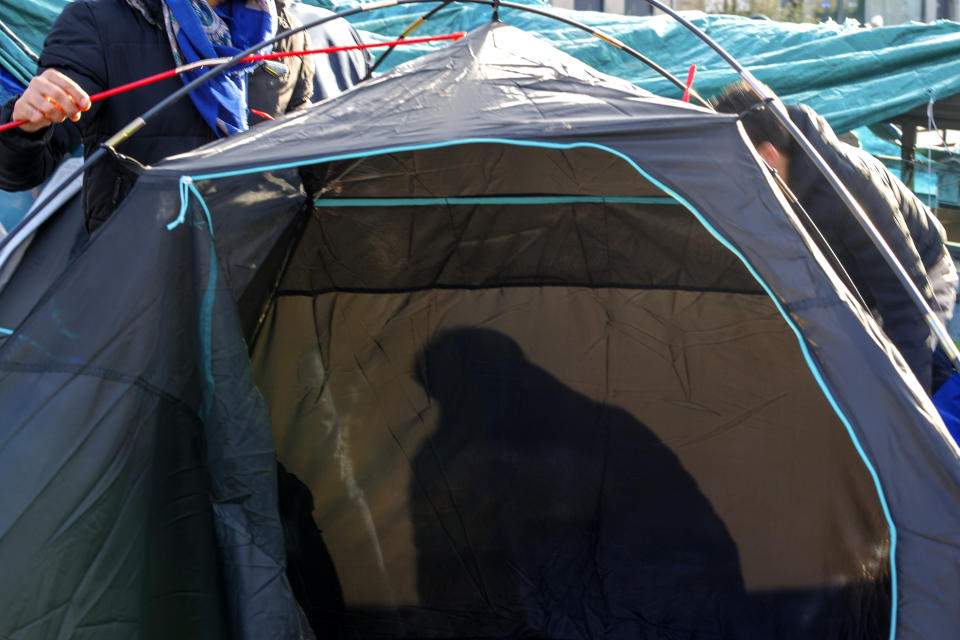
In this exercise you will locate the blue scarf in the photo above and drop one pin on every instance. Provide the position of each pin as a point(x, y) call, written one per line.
point(197, 33)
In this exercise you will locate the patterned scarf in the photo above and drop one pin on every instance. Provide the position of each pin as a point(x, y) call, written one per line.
point(196, 33)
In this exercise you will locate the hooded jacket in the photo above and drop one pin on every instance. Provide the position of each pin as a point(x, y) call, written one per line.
point(102, 44)
point(910, 229)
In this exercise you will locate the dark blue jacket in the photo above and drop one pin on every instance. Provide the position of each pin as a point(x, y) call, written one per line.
point(910, 229)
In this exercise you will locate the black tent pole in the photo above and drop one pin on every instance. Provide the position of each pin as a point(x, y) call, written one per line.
point(406, 32)
point(496, 4)
point(780, 111)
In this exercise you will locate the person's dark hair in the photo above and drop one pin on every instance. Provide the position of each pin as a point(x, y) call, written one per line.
point(758, 120)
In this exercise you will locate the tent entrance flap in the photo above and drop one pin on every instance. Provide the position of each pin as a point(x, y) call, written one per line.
point(566, 414)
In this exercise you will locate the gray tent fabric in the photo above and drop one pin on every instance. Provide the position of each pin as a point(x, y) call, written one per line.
point(549, 357)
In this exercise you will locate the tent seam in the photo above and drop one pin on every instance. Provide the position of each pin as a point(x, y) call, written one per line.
point(104, 374)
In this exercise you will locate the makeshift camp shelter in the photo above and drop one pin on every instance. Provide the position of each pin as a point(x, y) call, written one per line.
point(551, 354)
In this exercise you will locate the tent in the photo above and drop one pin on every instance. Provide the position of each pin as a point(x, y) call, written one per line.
point(543, 354)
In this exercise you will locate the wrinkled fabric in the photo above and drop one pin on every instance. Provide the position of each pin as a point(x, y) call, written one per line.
point(151, 509)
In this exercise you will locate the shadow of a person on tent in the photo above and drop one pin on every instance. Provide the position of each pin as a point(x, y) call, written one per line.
point(539, 512)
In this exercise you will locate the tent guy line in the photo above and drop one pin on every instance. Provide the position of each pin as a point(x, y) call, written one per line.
point(209, 62)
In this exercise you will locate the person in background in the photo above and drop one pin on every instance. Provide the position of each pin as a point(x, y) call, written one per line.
point(340, 70)
point(99, 44)
point(286, 85)
point(910, 229)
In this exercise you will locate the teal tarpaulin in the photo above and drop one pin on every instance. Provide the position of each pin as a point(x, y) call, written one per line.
point(851, 75)
point(30, 21)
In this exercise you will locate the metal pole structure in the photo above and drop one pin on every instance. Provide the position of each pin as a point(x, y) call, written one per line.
point(780, 111)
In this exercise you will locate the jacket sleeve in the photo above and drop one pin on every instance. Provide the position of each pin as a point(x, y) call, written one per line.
point(27, 160)
point(72, 47)
point(303, 86)
point(903, 321)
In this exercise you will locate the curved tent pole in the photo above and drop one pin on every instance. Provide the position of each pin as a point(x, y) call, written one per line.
point(135, 125)
point(779, 110)
point(496, 4)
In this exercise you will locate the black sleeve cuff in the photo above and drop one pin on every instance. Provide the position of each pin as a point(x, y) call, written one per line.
point(18, 139)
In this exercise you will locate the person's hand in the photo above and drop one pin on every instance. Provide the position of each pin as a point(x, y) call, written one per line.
point(50, 97)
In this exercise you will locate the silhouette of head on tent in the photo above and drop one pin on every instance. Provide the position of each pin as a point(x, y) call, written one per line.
point(539, 508)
